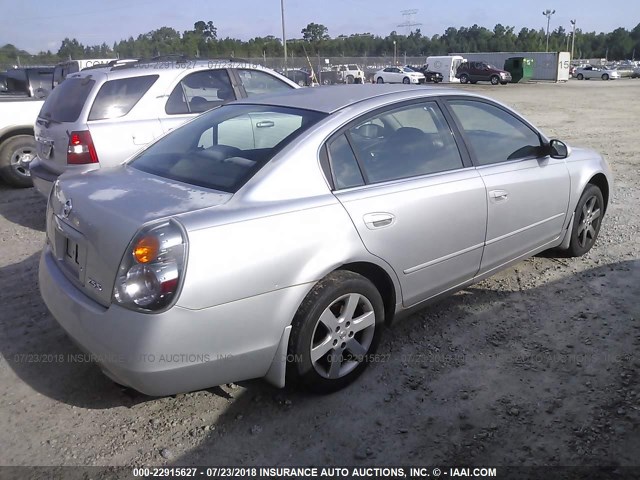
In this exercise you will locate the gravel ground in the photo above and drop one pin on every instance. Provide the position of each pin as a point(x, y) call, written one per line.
point(535, 366)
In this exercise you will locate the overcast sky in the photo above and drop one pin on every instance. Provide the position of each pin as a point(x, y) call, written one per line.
point(35, 25)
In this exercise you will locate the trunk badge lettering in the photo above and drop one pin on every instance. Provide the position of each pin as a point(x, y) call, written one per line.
point(95, 284)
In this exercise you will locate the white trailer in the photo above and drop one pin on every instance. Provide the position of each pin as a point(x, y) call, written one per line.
point(446, 65)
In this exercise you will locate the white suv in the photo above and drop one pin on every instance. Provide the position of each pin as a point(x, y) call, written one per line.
point(99, 117)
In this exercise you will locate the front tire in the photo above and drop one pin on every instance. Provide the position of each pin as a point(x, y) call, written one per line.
point(16, 154)
point(605, 76)
point(379, 80)
point(495, 80)
point(406, 80)
point(587, 221)
point(350, 79)
point(335, 332)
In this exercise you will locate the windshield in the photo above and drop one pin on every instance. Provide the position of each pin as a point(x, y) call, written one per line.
point(409, 69)
point(223, 148)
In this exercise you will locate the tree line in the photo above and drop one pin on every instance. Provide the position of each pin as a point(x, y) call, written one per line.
point(203, 41)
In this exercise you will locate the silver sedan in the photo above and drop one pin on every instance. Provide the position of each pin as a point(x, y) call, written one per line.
point(273, 237)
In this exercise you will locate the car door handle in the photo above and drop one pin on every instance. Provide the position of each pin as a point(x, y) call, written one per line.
point(498, 195)
point(378, 220)
point(265, 124)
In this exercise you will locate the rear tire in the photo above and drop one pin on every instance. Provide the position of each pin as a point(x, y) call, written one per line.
point(350, 79)
point(335, 332)
point(464, 78)
point(16, 154)
point(586, 221)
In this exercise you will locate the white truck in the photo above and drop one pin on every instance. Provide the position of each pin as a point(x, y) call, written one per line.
point(446, 65)
point(17, 145)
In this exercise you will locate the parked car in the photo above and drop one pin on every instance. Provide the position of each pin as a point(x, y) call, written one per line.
point(588, 72)
point(473, 72)
point(430, 76)
point(274, 236)
point(99, 117)
point(398, 75)
point(302, 77)
point(635, 73)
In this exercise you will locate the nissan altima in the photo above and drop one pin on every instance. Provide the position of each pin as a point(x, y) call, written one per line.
point(274, 236)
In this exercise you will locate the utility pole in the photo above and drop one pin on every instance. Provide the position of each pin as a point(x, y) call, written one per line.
point(284, 37)
point(394, 54)
point(547, 13)
point(573, 36)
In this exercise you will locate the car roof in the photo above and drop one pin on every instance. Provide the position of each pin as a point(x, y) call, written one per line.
point(330, 99)
point(161, 67)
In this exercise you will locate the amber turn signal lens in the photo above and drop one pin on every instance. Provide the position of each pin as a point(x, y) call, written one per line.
point(146, 249)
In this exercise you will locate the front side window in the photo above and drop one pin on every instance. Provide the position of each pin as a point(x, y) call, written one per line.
point(199, 92)
point(256, 82)
point(225, 147)
point(405, 142)
point(116, 98)
point(494, 134)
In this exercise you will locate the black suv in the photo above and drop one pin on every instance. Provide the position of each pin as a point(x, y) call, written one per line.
point(435, 77)
point(473, 72)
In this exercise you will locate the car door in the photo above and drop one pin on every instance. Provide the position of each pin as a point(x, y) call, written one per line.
point(413, 196)
point(256, 82)
point(195, 93)
point(527, 190)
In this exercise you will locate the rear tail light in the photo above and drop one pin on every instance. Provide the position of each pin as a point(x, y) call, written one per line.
point(151, 272)
point(81, 149)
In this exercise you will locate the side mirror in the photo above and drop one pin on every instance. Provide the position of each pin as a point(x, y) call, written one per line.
point(558, 149)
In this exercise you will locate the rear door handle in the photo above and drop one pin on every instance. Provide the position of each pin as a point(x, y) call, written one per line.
point(378, 220)
point(498, 195)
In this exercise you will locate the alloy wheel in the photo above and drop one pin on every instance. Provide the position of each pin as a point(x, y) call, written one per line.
point(342, 336)
point(20, 160)
point(590, 218)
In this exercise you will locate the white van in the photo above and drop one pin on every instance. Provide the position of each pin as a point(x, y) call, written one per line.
point(72, 66)
point(446, 65)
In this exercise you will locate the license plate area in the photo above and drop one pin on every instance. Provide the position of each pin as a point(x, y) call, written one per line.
point(70, 250)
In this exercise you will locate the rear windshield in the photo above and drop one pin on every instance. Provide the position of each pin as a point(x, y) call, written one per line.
point(116, 98)
point(65, 102)
point(226, 146)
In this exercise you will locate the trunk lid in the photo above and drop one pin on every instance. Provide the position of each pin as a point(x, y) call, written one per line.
point(91, 221)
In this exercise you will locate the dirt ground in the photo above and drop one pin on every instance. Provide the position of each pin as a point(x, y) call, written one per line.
point(535, 366)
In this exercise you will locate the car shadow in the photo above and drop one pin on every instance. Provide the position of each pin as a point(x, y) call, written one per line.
point(456, 378)
point(23, 206)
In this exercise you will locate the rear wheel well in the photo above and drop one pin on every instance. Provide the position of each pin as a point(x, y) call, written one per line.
point(600, 181)
point(382, 282)
point(13, 133)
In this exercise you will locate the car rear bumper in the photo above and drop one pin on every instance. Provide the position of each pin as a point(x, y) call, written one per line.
point(179, 350)
point(43, 178)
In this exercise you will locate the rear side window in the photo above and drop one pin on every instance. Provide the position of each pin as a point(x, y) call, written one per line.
point(116, 98)
point(256, 82)
point(65, 102)
point(344, 165)
point(199, 92)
